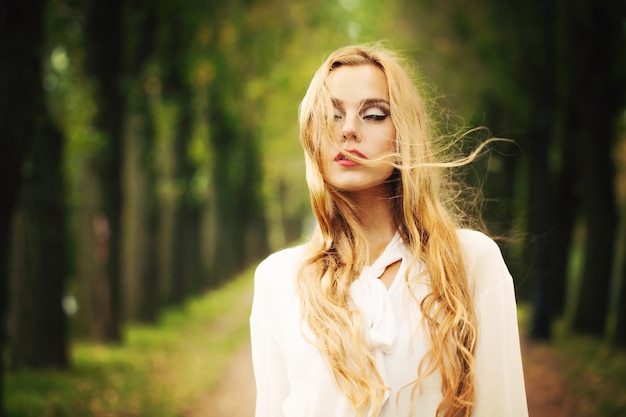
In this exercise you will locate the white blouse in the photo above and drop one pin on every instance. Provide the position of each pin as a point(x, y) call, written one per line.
point(293, 379)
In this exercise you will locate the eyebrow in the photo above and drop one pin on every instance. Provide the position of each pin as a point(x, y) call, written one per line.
point(367, 102)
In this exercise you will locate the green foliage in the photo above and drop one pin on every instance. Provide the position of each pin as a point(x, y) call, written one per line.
point(164, 114)
point(159, 372)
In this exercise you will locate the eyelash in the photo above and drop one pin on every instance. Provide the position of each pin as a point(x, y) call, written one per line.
point(369, 117)
point(376, 117)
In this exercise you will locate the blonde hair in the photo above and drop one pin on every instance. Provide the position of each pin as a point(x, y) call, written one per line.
point(338, 250)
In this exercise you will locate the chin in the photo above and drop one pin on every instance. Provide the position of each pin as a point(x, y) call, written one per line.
point(361, 187)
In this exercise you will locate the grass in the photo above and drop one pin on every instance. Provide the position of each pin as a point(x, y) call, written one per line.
point(159, 371)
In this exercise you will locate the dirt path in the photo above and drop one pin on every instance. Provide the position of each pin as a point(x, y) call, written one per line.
point(545, 388)
point(234, 395)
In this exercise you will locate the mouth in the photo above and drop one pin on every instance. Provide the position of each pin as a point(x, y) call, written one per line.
point(342, 157)
point(346, 162)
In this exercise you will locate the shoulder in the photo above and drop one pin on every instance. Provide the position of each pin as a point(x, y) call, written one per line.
point(275, 295)
point(283, 259)
point(483, 259)
point(279, 267)
point(477, 244)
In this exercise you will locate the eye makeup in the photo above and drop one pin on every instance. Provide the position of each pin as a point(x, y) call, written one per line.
point(373, 109)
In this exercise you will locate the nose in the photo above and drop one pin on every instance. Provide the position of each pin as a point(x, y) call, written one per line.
point(349, 129)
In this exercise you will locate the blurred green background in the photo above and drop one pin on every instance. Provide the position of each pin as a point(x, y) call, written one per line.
point(150, 154)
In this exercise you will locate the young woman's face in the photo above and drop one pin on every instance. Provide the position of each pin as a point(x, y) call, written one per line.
point(363, 127)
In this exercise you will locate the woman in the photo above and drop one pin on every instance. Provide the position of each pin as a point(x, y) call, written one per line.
point(390, 309)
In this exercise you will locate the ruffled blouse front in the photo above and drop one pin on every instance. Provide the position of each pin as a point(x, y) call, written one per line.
point(370, 296)
point(294, 379)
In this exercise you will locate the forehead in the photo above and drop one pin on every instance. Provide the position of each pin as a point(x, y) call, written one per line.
point(355, 83)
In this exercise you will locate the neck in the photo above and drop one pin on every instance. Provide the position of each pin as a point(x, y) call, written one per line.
point(377, 220)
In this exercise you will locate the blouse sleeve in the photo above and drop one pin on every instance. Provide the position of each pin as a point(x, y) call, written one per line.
point(500, 390)
point(268, 362)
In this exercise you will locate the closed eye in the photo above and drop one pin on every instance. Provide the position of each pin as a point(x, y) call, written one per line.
point(374, 111)
point(376, 117)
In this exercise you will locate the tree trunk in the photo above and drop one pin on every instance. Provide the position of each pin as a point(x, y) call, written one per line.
point(596, 29)
point(20, 83)
point(186, 240)
point(39, 269)
point(165, 197)
point(616, 317)
point(616, 320)
point(37, 322)
point(540, 222)
point(540, 135)
point(104, 61)
point(600, 219)
point(568, 198)
point(151, 304)
point(240, 218)
point(229, 227)
point(91, 248)
point(138, 182)
point(134, 244)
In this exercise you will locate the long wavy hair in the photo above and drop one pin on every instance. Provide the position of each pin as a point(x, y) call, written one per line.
point(338, 250)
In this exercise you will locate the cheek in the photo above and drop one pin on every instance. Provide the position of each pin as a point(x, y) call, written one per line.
point(388, 140)
point(336, 129)
point(326, 157)
point(326, 149)
point(393, 144)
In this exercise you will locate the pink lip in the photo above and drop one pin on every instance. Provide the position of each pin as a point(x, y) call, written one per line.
point(343, 161)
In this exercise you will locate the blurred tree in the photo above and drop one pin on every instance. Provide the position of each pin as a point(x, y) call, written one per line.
point(236, 175)
point(139, 287)
point(103, 40)
point(616, 320)
point(71, 99)
point(38, 332)
point(178, 24)
point(18, 87)
point(595, 57)
point(538, 51)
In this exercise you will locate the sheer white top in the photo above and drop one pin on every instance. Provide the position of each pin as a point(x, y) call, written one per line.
point(293, 379)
